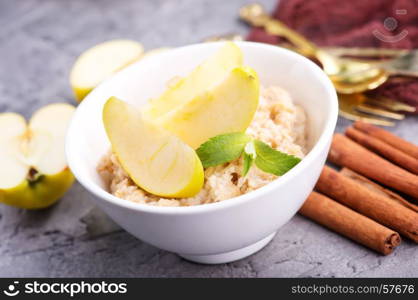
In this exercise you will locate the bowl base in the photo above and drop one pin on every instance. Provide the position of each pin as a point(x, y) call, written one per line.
point(231, 256)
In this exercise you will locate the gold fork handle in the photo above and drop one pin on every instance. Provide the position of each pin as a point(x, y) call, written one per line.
point(406, 73)
point(368, 53)
point(255, 15)
point(276, 27)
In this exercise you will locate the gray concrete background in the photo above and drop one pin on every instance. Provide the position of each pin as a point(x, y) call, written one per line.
point(39, 40)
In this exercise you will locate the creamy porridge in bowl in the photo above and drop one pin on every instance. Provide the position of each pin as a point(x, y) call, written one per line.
point(278, 122)
point(226, 211)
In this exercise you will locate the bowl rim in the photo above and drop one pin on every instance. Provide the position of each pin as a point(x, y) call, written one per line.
point(317, 148)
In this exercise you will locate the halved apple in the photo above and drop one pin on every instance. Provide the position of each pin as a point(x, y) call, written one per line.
point(100, 62)
point(155, 159)
point(208, 74)
point(34, 172)
point(228, 107)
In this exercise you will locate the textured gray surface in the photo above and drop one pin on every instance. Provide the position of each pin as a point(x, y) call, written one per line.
point(39, 40)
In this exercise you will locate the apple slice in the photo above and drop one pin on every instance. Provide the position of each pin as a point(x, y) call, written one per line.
point(100, 62)
point(205, 76)
point(155, 159)
point(228, 107)
point(155, 51)
point(34, 172)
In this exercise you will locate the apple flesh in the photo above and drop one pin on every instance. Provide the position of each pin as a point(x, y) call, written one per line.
point(228, 107)
point(155, 51)
point(100, 62)
point(34, 172)
point(204, 77)
point(156, 160)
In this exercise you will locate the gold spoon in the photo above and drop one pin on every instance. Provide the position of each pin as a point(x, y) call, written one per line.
point(347, 75)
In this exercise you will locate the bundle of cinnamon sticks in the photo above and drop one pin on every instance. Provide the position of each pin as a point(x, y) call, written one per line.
point(362, 200)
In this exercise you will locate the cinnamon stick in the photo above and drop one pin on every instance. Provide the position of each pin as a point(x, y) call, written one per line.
point(347, 153)
point(349, 223)
point(371, 185)
point(369, 203)
point(388, 138)
point(391, 153)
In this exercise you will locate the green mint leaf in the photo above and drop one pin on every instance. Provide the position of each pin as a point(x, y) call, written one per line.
point(272, 161)
point(222, 148)
point(248, 161)
point(248, 157)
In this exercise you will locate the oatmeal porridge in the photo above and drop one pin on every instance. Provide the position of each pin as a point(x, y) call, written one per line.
point(278, 122)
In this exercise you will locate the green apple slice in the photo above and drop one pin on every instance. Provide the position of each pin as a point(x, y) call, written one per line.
point(228, 107)
point(100, 62)
point(34, 172)
point(155, 159)
point(205, 76)
point(155, 51)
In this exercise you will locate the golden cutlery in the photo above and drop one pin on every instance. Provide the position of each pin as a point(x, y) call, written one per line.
point(397, 62)
point(371, 110)
point(356, 106)
point(367, 52)
point(349, 76)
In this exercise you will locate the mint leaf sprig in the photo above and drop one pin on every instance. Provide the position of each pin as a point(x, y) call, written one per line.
point(228, 147)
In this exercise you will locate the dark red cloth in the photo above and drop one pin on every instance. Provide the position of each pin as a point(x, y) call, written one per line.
point(354, 23)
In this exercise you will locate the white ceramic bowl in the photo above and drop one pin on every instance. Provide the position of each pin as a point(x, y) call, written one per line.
point(231, 229)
